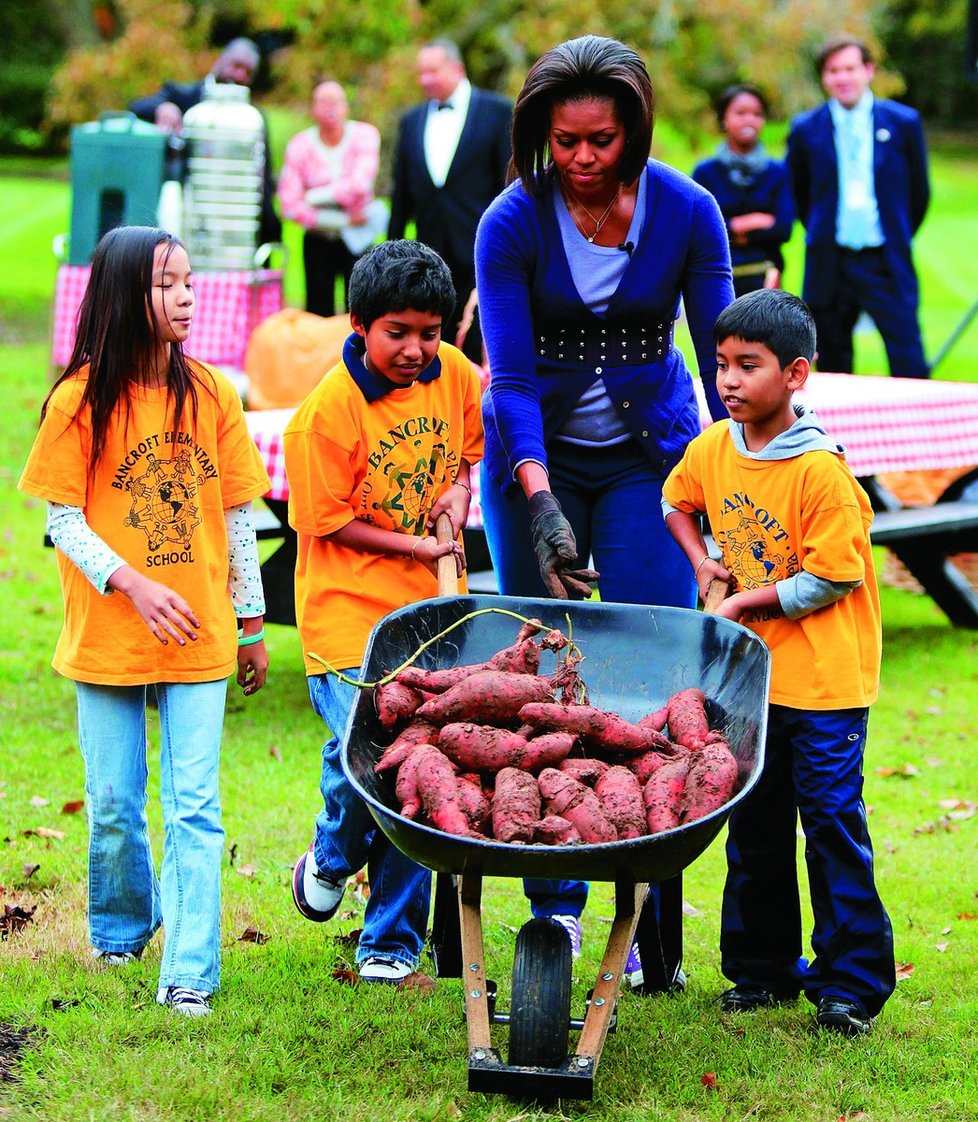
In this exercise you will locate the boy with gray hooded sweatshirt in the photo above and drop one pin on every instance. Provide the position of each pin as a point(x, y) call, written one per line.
point(792, 524)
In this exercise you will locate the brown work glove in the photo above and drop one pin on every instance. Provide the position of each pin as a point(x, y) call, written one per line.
point(556, 549)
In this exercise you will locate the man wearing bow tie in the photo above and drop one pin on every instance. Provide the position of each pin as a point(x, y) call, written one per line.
point(452, 153)
point(859, 172)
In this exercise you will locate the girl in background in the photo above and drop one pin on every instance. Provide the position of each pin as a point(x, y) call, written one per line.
point(753, 190)
point(148, 470)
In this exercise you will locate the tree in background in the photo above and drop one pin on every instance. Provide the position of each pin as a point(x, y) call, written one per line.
point(693, 48)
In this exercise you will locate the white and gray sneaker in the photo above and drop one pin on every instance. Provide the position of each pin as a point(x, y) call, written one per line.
point(316, 895)
point(116, 958)
point(184, 1000)
point(379, 968)
point(572, 925)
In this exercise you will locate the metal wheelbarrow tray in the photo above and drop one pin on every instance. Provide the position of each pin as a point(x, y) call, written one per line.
point(635, 657)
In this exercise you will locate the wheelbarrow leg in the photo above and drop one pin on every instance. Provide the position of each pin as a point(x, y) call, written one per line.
point(660, 939)
point(446, 929)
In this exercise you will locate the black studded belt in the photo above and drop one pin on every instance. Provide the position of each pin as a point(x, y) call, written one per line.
point(614, 344)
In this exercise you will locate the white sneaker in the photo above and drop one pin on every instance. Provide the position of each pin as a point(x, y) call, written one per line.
point(117, 958)
point(572, 925)
point(316, 895)
point(379, 968)
point(184, 1000)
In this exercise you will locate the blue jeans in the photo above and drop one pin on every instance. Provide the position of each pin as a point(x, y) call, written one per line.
point(126, 901)
point(612, 498)
point(812, 769)
point(347, 838)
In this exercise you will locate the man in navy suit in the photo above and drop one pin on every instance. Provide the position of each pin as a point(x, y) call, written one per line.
point(452, 154)
point(859, 172)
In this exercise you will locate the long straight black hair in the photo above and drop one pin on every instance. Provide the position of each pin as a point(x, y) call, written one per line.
point(118, 336)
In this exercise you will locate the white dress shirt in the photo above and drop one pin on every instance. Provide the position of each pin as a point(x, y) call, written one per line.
point(442, 130)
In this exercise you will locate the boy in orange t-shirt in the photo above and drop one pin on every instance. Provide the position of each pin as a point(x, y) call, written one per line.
point(374, 455)
point(792, 524)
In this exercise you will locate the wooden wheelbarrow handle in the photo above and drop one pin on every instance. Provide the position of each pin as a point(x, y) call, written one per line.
point(717, 591)
point(447, 572)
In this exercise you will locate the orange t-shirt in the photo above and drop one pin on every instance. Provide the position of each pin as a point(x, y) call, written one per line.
point(157, 499)
point(384, 461)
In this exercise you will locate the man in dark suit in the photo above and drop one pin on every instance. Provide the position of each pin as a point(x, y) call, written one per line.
point(237, 63)
point(452, 153)
point(859, 172)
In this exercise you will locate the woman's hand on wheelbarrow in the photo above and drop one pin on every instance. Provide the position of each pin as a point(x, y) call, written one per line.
point(556, 549)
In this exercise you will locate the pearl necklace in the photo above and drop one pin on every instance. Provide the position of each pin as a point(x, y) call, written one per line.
point(598, 222)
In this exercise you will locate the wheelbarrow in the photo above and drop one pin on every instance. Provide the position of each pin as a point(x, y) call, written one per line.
point(635, 657)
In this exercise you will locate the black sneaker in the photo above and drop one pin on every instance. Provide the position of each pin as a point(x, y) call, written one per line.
point(842, 1014)
point(745, 999)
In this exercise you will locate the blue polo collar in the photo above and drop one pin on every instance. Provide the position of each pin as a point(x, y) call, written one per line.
point(375, 386)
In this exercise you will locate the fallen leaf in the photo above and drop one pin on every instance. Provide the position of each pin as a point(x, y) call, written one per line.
point(275, 752)
point(44, 832)
point(246, 870)
point(962, 814)
point(350, 938)
point(232, 853)
point(14, 919)
point(30, 869)
point(59, 1006)
point(422, 983)
point(253, 935)
point(860, 1114)
point(346, 976)
point(942, 947)
point(904, 970)
point(967, 915)
point(709, 1080)
point(37, 800)
point(905, 771)
point(945, 930)
point(689, 910)
point(73, 807)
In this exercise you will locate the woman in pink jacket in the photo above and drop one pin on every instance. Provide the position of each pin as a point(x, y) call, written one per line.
point(327, 186)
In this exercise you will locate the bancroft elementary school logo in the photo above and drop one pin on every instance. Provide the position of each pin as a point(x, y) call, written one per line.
point(759, 543)
point(164, 503)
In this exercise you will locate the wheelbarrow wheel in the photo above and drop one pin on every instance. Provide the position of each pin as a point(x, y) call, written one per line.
point(539, 1016)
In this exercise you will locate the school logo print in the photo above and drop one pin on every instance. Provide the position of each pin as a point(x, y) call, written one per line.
point(409, 486)
point(164, 501)
point(759, 558)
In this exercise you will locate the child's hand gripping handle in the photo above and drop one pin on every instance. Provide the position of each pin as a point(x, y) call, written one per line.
point(716, 593)
point(447, 565)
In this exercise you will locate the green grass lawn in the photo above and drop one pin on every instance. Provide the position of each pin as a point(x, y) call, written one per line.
point(288, 1041)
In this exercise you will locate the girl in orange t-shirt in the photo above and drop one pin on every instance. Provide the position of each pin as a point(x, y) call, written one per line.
point(148, 470)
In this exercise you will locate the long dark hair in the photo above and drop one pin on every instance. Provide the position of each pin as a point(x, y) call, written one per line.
point(589, 67)
point(118, 336)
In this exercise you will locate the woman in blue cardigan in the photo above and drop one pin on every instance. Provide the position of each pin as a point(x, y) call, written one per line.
point(582, 264)
point(753, 190)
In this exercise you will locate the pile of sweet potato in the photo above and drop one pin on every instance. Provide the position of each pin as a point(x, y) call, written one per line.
point(499, 750)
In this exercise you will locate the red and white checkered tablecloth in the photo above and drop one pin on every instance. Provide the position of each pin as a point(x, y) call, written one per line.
point(267, 426)
point(885, 424)
point(229, 306)
point(894, 424)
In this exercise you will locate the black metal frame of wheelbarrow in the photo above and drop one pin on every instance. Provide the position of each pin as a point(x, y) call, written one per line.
point(634, 658)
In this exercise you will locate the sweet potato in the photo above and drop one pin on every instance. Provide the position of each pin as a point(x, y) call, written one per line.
point(548, 750)
point(687, 718)
point(663, 795)
point(587, 771)
point(395, 703)
point(655, 721)
point(710, 783)
point(523, 657)
point(482, 748)
point(568, 797)
point(437, 681)
point(438, 790)
point(646, 764)
point(515, 806)
point(489, 696)
point(417, 732)
point(552, 829)
point(406, 787)
point(475, 806)
point(621, 796)
point(600, 728)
